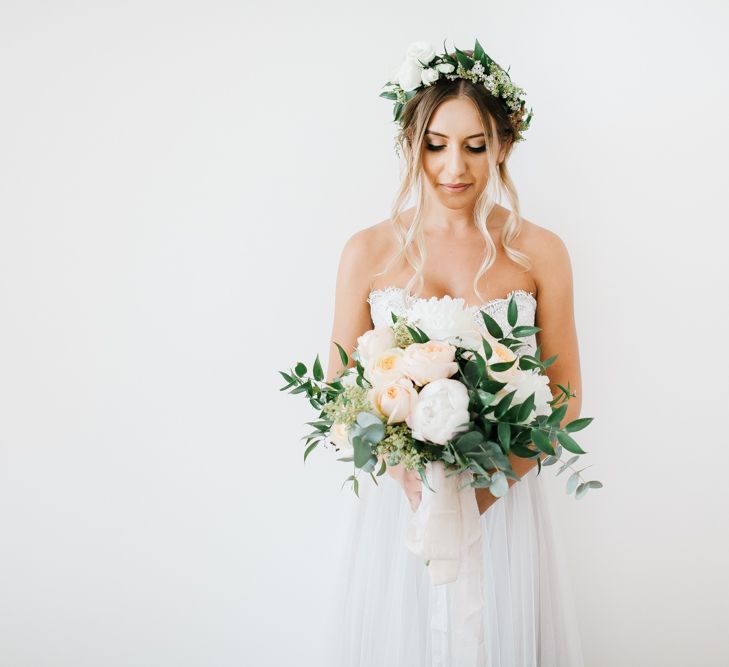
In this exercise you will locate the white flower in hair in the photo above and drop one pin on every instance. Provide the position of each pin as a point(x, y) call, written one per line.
point(423, 67)
point(422, 51)
point(429, 75)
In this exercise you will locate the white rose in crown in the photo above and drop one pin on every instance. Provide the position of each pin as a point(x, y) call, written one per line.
point(409, 75)
point(429, 75)
point(394, 400)
point(447, 319)
point(527, 382)
point(440, 411)
point(426, 362)
point(385, 367)
point(373, 343)
point(422, 51)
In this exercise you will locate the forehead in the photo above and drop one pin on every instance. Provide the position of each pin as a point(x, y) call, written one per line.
point(456, 118)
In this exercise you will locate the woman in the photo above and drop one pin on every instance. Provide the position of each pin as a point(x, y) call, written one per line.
point(459, 124)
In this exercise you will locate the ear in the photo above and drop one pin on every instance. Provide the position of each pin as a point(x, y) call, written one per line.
point(505, 149)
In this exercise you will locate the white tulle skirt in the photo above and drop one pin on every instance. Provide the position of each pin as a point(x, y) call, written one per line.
point(388, 614)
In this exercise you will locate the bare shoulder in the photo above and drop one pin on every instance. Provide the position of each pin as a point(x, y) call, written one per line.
point(366, 248)
point(548, 252)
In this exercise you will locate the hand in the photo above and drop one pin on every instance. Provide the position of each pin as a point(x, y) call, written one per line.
point(410, 482)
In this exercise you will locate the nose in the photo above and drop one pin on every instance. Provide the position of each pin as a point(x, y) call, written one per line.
point(456, 163)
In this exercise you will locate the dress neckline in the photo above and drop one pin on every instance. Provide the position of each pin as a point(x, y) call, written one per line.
point(412, 297)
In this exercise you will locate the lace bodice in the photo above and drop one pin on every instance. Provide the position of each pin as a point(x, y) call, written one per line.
point(395, 299)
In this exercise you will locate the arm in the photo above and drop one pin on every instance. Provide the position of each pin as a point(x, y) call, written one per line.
point(351, 310)
point(558, 335)
point(351, 320)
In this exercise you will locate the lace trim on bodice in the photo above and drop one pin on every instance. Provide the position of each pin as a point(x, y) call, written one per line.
point(390, 299)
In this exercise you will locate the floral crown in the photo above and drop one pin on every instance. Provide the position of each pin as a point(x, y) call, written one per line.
point(422, 67)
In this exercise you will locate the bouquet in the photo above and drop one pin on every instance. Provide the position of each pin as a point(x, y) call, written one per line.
point(440, 394)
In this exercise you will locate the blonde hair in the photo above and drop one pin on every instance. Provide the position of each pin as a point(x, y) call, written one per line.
point(499, 134)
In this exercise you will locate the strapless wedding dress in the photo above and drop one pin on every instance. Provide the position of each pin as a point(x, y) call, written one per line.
point(388, 614)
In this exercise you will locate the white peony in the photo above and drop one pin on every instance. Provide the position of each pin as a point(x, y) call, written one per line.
point(525, 383)
point(447, 319)
point(446, 68)
point(440, 411)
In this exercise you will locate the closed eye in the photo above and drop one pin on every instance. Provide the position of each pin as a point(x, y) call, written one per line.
point(437, 147)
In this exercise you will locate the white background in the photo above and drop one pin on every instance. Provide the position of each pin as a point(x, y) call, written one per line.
point(177, 180)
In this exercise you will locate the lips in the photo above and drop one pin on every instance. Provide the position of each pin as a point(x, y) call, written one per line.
point(455, 187)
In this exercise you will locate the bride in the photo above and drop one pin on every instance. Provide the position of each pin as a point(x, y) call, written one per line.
point(459, 118)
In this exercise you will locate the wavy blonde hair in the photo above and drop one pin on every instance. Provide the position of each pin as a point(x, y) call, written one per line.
point(410, 139)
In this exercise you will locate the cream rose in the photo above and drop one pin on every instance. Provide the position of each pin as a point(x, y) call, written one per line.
point(500, 354)
point(386, 367)
point(374, 342)
point(440, 411)
point(426, 362)
point(395, 399)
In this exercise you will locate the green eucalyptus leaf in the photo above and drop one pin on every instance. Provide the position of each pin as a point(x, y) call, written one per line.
point(523, 452)
point(365, 419)
point(317, 370)
point(557, 415)
point(526, 408)
point(524, 330)
point(572, 482)
point(541, 441)
point(578, 424)
point(342, 354)
point(309, 448)
point(300, 369)
point(485, 397)
point(594, 484)
point(504, 365)
point(492, 325)
point(567, 464)
point(499, 484)
point(550, 361)
point(568, 443)
point(582, 489)
point(487, 349)
point(469, 441)
point(512, 313)
point(362, 451)
point(504, 435)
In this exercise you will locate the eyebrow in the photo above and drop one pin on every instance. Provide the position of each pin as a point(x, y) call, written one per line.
point(473, 136)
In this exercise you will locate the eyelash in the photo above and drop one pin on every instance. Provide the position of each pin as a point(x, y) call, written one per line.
point(473, 149)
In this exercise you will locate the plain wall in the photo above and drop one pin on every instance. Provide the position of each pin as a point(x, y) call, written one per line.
point(177, 180)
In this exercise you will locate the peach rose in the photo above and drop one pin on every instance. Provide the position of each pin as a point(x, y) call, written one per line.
point(426, 362)
point(395, 400)
point(501, 354)
point(386, 367)
point(373, 343)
